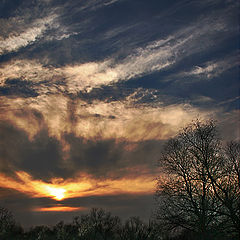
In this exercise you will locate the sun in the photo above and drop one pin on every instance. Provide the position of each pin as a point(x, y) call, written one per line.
point(57, 193)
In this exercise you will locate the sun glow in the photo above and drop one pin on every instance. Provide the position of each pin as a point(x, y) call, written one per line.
point(81, 186)
point(57, 193)
point(59, 209)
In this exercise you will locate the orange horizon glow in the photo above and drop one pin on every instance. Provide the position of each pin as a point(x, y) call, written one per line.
point(82, 186)
point(58, 209)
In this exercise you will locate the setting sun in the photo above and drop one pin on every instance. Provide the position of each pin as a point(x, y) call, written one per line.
point(83, 186)
point(57, 193)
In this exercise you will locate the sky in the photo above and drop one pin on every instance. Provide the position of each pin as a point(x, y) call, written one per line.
point(91, 90)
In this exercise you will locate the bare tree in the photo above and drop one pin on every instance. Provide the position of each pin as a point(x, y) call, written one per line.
point(98, 224)
point(196, 190)
point(64, 231)
point(39, 233)
point(226, 187)
point(135, 229)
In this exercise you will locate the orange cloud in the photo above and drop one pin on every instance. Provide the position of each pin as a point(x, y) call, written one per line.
point(58, 209)
point(59, 189)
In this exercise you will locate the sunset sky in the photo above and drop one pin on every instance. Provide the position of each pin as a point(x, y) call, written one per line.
point(91, 89)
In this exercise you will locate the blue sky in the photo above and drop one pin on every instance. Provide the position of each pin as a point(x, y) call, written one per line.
point(90, 90)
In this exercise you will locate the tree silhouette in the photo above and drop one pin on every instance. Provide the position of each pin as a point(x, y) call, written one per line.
point(135, 229)
point(98, 224)
point(40, 233)
point(226, 187)
point(198, 190)
point(8, 226)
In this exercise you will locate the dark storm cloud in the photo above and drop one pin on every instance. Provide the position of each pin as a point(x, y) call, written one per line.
point(43, 155)
point(19, 202)
point(40, 157)
point(110, 159)
point(98, 158)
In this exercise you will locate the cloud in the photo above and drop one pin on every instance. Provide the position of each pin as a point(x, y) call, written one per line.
point(212, 69)
point(58, 209)
point(38, 78)
point(155, 56)
point(33, 26)
point(121, 120)
point(58, 135)
point(229, 125)
point(17, 87)
point(110, 2)
point(27, 36)
point(83, 186)
point(58, 138)
point(48, 160)
point(41, 156)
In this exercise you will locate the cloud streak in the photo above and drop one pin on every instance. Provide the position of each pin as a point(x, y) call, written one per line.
point(78, 187)
point(58, 209)
point(22, 39)
point(212, 69)
point(157, 55)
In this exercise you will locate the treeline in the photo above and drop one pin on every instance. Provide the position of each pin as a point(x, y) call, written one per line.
point(96, 225)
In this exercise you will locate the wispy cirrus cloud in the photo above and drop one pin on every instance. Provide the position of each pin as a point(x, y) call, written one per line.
point(212, 69)
point(155, 56)
point(110, 2)
point(28, 70)
point(203, 72)
point(92, 74)
point(24, 37)
point(33, 26)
